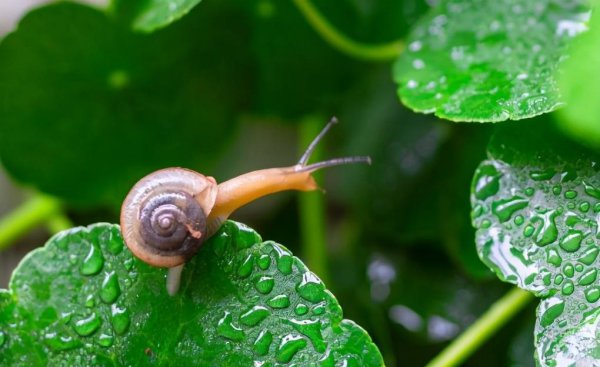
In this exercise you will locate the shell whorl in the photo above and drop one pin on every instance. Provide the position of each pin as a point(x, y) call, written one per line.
point(163, 218)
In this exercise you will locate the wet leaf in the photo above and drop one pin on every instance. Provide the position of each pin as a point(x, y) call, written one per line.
point(87, 107)
point(84, 300)
point(488, 60)
point(535, 206)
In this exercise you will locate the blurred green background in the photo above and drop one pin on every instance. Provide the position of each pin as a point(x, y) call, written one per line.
point(88, 107)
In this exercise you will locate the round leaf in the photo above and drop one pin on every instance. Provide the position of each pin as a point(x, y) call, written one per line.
point(488, 60)
point(535, 206)
point(84, 300)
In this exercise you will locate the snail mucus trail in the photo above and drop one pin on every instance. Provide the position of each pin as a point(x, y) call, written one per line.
point(168, 214)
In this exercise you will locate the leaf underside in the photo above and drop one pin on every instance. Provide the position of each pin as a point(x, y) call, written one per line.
point(536, 207)
point(83, 299)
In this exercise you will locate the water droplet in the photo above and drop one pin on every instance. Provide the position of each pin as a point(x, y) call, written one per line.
point(571, 241)
point(263, 342)
point(88, 325)
point(589, 255)
point(105, 340)
point(542, 175)
point(90, 301)
point(546, 232)
point(254, 316)
point(569, 270)
point(570, 194)
point(265, 284)
point(486, 182)
point(568, 288)
point(505, 208)
point(119, 319)
point(128, 263)
point(597, 208)
point(312, 330)
point(227, 329)
point(284, 260)
point(319, 309)
point(519, 220)
point(114, 242)
point(592, 294)
point(477, 211)
point(110, 290)
point(558, 279)
point(245, 268)
point(301, 309)
point(588, 277)
point(280, 301)
point(2, 338)
point(529, 191)
point(554, 310)
point(584, 207)
point(485, 224)
point(591, 190)
point(579, 267)
point(546, 279)
point(556, 190)
point(528, 230)
point(59, 343)
point(93, 262)
point(311, 288)
point(264, 261)
point(553, 257)
point(289, 346)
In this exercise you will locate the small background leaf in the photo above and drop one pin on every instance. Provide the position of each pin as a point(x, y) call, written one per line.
point(149, 15)
point(488, 60)
point(84, 300)
point(535, 206)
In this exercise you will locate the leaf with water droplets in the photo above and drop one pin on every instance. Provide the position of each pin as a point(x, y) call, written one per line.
point(539, 228)
point(488, 60)
point(84, 300)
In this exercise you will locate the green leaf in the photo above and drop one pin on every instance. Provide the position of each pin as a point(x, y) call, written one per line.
point(535, 206)
point(488, 60)
point(84, 300)
point(87, 107)
point(580, 85)
point(150, 15)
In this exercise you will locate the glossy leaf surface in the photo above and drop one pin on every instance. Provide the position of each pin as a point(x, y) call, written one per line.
point(535, 206)
point(87, 107)
point(153, 14)
point(488, 60)
point(84, 300)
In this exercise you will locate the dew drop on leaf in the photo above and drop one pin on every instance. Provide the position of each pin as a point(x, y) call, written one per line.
point(264, 284)
point(93, 262)
point(227, 329)
point(110, 290)
point(311, 288)
point(588, 277)
point(505, 208)
point(254, 316)
point(105, 340)
point(120, 319)
point(301, 309)
point(279, 301)
point(263, 342)
point(289, 346)
point(571, 241)
point(88, 325)
point(550, 314)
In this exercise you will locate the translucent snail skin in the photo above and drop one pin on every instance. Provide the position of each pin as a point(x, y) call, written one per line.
point(168, 214)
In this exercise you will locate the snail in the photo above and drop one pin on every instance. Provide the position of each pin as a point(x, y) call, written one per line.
point(168, 214)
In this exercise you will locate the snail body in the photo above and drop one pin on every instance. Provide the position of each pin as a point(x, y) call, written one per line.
point(168, 214)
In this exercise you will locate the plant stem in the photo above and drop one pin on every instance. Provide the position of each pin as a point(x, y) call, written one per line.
point(30, 214)
point(312, 208)
point(500, 312)
point(59, 222)
point(369, 52)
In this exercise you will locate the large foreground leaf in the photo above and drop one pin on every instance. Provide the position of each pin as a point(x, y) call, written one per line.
point(488, 60)
point(84, 300)
point(536, 204)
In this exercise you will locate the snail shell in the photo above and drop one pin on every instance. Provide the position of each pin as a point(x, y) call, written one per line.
point(163, 218)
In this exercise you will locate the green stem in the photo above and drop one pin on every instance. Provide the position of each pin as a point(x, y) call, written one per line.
point(30, 214)
point(59, 222)
point(369, 52)
point(500, 312)
point(312, 208)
